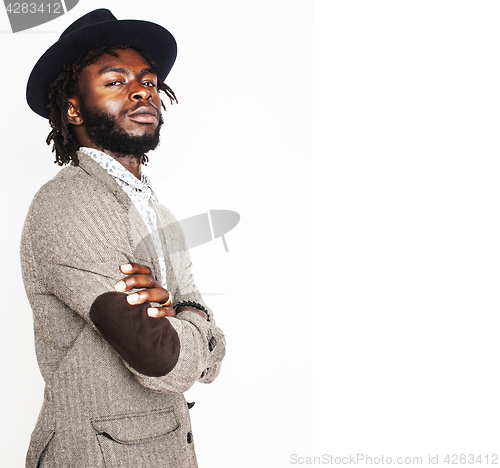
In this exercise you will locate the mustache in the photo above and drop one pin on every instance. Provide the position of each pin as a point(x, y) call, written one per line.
point(142, 104)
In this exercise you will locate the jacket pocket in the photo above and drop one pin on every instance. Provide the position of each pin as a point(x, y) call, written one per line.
point(139, 439)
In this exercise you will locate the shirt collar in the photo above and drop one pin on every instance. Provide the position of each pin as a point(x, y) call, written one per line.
point(118, 171)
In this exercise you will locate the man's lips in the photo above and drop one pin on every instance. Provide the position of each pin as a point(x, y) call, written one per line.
point(144, 114)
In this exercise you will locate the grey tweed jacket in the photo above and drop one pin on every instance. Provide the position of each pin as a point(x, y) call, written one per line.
point(99, 409)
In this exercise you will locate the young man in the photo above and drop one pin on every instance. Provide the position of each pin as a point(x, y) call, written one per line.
point(120, 327)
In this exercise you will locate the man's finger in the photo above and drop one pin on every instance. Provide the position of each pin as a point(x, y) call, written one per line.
point(136, 281)
point(131, 268)
point(158, 312)
point(159, 295)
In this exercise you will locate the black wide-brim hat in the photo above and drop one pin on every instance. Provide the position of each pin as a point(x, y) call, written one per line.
point(96, 30)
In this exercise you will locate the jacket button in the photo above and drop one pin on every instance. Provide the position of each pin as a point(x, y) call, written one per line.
point(189, 437)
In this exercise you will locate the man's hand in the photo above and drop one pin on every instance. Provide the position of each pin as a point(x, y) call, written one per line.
point(141, 276)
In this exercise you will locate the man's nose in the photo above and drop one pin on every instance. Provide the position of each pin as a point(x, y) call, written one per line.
point(139, 91)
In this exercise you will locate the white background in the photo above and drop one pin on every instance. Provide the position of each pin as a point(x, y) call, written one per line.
point(406, 228)
point(240, 139)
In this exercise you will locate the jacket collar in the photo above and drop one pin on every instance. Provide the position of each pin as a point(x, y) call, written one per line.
point(94, 169)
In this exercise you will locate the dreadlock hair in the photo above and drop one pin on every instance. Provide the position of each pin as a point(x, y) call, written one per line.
point(65, 86)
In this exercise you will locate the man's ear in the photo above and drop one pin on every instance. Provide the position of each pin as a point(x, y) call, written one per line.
point(74, 116)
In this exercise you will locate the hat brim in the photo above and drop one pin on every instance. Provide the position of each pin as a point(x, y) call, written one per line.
point(143, 36)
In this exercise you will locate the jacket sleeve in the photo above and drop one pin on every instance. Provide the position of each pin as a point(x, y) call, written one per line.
point(78, 239)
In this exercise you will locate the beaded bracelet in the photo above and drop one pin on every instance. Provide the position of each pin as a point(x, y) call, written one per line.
point(193, 304)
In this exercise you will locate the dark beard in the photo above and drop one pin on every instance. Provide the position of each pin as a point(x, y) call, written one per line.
point(103, 131)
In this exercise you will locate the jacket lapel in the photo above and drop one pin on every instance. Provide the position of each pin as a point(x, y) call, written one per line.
point(139, 236)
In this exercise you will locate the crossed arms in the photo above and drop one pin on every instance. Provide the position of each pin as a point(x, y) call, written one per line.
point(129, 323)
point(75, 239)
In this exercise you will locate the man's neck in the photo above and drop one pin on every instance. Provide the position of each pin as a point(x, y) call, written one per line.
point(131, 162)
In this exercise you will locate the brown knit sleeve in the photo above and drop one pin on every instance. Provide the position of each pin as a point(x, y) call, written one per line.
point(150, 345)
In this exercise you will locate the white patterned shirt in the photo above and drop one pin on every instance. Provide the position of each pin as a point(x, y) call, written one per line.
point(140, 192)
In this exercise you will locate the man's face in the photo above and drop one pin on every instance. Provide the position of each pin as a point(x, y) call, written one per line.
point(119, 104)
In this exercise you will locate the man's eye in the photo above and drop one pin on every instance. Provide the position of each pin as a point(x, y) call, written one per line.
point(113, 83)
point(149, 83)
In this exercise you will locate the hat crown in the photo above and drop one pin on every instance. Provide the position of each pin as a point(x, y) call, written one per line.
point(94, 17)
